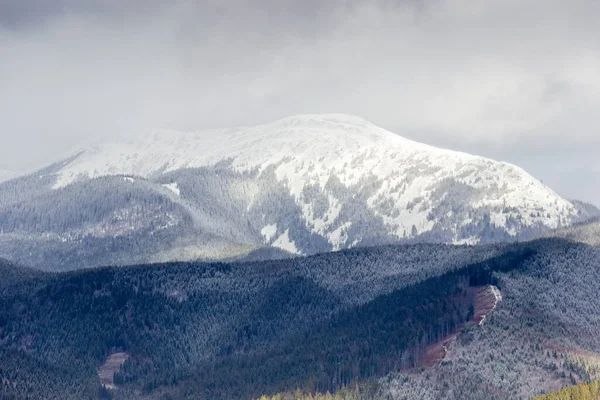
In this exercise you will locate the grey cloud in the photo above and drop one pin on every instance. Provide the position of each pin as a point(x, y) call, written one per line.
point(514, 80)
point(28, 14)
point(32, 13)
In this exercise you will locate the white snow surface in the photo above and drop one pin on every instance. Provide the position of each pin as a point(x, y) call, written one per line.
point(269, 232)
point(309, 149)
point(283, 242)
point(497, 299)
point(173, 187)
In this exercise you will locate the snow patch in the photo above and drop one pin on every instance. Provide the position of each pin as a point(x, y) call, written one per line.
point(283, 242)
point(471, 241)
point(338, 237)
point(173, 187)
point(497, 299)
point(497, 295)
point(269, 232)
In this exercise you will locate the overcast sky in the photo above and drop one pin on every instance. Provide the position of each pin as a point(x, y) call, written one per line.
point(516, 80)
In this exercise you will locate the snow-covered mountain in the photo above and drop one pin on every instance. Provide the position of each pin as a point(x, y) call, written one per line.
point(303, 184)
point(307, 153)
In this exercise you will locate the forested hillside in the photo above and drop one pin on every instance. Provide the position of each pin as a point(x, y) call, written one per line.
point(587, 232)
point(316, 324)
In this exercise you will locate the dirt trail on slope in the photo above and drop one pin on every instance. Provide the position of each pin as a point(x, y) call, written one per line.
point(485, 299)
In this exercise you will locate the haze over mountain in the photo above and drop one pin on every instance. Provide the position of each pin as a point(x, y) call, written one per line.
point(6, 174)
point(304, 185)
point(588, 233)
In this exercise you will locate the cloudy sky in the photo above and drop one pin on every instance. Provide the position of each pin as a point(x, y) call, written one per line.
point(516, 80)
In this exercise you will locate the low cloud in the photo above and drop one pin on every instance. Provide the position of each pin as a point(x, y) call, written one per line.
point(514, 80)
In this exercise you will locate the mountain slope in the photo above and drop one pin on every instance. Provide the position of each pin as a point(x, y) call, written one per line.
point(588, 232)
point(309, 151)
point(236, 331)
point(305, 185)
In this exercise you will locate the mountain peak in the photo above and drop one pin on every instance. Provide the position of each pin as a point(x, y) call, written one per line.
point(341, 125)
point(311, 149)
point(304, 137)
point(305, 184)
point(339, 118)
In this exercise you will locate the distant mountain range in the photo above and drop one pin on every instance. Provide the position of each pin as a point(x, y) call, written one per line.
point(588, 233)
point(299, 186)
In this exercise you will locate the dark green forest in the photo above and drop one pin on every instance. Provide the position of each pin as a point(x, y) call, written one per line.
point(245, 330)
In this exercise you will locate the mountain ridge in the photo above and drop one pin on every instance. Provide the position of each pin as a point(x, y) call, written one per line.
point(358, 136)
point(304, 184)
